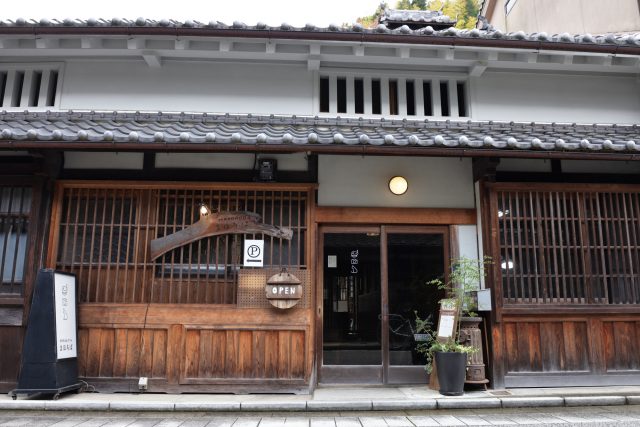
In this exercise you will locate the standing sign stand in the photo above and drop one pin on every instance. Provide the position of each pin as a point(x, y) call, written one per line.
point(446, 331)
point(49, 354)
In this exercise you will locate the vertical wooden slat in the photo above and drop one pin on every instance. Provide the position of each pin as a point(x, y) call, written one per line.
point(604, 252)
point(120, 353)
point(118, 286)
point(159, 365)
point(634, 215)
point(521, 262)
point(8, 231)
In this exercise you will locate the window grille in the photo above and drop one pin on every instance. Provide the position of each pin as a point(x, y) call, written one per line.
point(408, 97)
point(29, 86)
point(569, 247)
point(104, 235)
point(15, 218)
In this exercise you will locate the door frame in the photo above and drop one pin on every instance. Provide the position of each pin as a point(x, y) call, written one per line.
point(384, 373)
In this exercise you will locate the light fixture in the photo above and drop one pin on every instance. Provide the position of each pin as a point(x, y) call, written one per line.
point(204, 210)
point(507, 265)
point(398, 185)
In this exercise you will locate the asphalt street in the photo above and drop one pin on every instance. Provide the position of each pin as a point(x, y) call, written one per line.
point(584, 416)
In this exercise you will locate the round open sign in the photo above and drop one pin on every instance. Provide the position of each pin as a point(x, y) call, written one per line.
point(283, 290)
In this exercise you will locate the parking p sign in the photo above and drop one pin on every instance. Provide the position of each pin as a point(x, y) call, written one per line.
point(253, 253)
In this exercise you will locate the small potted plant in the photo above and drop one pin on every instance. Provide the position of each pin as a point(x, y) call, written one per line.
point(449, 353)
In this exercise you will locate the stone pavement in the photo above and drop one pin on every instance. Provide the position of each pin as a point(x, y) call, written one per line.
point(326, 399)
point(565, 416)
point(333, 399)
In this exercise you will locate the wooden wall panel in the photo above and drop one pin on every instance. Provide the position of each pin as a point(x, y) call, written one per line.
point(195, 345)
point(211, 354)
point(621, 345)
point(122, 352)
point(546, 346)
point(577, 349)
point(11, 339)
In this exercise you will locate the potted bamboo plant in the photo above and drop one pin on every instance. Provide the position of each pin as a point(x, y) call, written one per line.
point(449, 354)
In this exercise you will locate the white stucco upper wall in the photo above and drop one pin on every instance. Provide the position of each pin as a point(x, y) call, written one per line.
point(363, 181)
point(187, 86)
point(556, 98)
point(288, 89)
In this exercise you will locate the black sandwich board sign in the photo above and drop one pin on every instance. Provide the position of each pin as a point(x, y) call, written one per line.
point(49, 352)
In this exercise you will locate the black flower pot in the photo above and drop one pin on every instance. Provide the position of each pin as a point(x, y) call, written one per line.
point(451, 369)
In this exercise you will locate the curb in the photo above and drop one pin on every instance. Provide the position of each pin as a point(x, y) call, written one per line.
point(324, 405)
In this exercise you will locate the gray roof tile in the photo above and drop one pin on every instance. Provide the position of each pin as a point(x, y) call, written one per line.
point(202, 128)
point(417, 16)
point(91, 26)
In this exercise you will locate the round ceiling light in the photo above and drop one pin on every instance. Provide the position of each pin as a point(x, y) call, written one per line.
point(398, 185)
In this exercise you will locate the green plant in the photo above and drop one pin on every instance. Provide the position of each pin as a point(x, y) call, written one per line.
point(464, 278)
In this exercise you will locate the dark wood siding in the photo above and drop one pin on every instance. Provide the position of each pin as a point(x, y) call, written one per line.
point(181, 319)
point(565, 281)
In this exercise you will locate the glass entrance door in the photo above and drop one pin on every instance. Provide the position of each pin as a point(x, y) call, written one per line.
point(374, 284)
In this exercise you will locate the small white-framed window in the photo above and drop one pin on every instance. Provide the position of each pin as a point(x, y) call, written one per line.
point(30, 86)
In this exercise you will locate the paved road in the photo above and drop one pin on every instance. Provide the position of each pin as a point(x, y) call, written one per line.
point(583, 416)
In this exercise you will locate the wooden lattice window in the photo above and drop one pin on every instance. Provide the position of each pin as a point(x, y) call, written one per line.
point(15, 218)
point(576, 245)
point(103, 236)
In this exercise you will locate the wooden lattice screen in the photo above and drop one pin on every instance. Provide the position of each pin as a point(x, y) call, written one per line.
point(103, 236)
point(15, 217)
point(568, 245)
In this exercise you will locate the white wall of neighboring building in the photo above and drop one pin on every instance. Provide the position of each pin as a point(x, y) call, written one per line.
point(559, 16)
point(556, 98)
point(363, 181)
point(187, 86)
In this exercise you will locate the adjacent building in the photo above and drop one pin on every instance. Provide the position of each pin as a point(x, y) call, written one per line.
point(117, 133)
point(567, 16)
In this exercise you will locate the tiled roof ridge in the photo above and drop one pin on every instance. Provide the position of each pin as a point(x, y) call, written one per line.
point(421, 16)
point(311, 131)
point(617, 39)
point(292, 119)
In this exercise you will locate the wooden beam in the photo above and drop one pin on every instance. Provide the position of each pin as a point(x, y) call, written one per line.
point(485, 168)
point(424, 216)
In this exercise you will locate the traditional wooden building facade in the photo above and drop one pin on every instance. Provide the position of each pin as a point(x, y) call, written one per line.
point(115, 133)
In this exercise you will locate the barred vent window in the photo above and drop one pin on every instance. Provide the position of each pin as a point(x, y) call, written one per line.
point(392, 96)
point(29, 87)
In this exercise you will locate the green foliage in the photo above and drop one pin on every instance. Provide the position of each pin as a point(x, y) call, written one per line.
point(372, 20)
point(463, 278)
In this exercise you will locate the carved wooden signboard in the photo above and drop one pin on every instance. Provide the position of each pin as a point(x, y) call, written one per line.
point(283, 290)
point(215, 224)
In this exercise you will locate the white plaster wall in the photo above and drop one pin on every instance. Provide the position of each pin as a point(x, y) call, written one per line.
point(187, 86)
point(467, 241)
point(556, 98)
point(363, 181)
point(286, 162)
point(102, 160)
